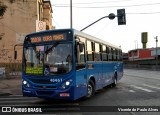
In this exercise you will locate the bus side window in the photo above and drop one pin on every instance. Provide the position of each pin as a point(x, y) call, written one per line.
point(89, 51)
point(97, 52)
point(100, 46)
point(107, 49)
point(115, 54)
point(81, 58)
point(104, 53)
point(110, 54)
point(118, 55)
point(82, 55)
point(80, 44)
point(121, 57)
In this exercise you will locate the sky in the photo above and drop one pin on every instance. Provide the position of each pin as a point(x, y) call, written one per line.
point(141, 16)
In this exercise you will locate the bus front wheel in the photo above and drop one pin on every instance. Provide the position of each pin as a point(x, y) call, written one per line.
point(90, 89)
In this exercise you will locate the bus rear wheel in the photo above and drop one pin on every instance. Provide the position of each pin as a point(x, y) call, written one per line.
point(90, 89)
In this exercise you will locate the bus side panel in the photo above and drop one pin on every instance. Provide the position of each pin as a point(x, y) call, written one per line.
point(108, 73)
point(120, 70)
point(95, 70)
point(81, 84)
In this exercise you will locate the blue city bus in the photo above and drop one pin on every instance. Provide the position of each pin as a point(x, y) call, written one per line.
point(68, 64)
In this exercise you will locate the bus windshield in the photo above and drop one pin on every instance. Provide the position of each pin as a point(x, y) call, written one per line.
point(48, 59)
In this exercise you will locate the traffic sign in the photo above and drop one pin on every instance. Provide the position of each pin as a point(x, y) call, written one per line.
point(40, 26)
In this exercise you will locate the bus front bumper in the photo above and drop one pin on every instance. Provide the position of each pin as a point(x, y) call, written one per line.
point(48, 93)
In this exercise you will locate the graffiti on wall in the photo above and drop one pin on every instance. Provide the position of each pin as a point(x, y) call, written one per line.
point(5, 55)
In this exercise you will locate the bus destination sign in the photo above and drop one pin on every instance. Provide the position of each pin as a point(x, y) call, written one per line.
point(47, 38)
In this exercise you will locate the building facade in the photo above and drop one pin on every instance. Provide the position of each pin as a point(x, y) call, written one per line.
point(143, 54)
point(19, 20)
point(147, 56)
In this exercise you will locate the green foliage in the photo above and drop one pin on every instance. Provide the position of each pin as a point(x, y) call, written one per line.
point(2, 9)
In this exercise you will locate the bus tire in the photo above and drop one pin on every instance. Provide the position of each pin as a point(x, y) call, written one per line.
point(115, 80)
point(90, 89)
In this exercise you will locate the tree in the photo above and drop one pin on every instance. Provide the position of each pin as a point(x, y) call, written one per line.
point(2, 9)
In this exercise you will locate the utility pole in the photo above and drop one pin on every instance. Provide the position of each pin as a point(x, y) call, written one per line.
point(156, 51)
point(71, 14)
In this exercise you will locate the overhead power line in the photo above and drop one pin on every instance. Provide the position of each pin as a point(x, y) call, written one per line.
point(135, 5)
point(95, 2)
point(145, 13)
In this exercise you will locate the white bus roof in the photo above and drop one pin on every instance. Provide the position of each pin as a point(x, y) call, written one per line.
point(89, 37)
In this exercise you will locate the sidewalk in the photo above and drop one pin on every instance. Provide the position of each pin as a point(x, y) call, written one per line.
point(10, 86)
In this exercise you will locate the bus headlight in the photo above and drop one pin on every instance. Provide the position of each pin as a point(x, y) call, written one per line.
point(26, 84)
point(66, 84)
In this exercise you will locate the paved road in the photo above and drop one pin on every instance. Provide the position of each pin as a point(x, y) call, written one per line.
point(137, 88)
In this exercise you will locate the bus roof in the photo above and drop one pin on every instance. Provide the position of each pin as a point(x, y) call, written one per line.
point(89, 37)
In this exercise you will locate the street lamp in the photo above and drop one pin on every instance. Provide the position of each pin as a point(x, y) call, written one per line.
point(120, 15)
point(111, 16)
